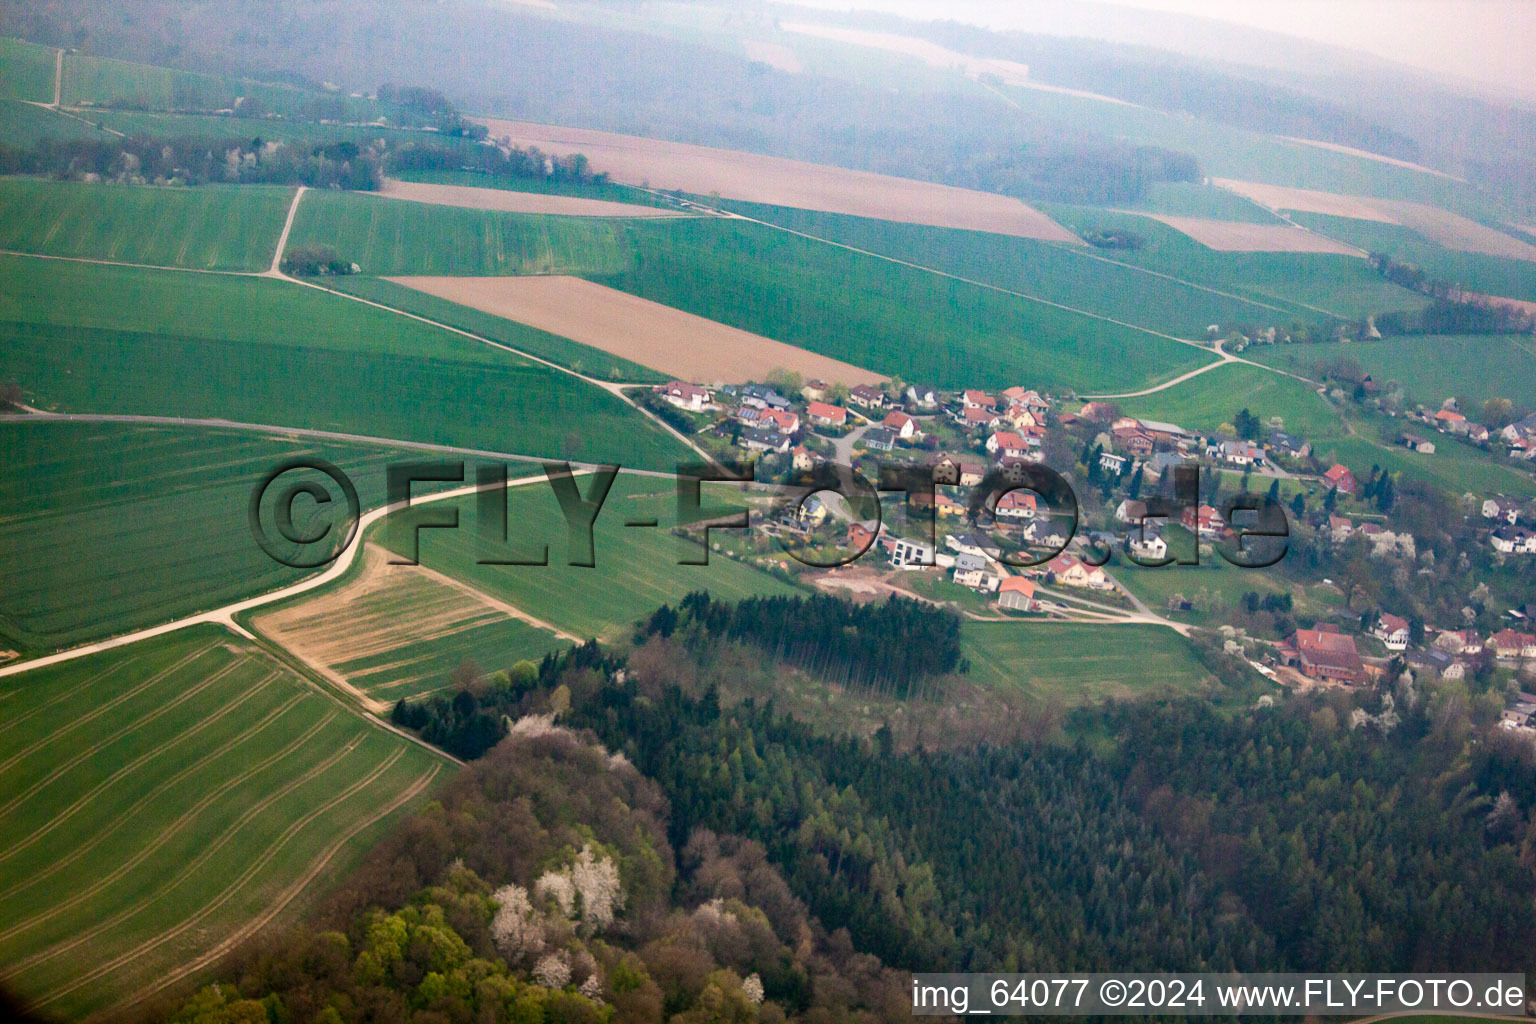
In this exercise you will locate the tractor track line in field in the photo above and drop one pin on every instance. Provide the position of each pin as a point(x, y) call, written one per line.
point(160, 840)
point(230, 890)
point(128, 814)
point(410, 793)
point(131, 766)
point(102, 709)
point(83, 755)
point(72, 691)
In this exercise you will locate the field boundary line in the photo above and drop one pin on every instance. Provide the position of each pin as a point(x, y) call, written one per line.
point(128, 768)
point(229, 891)
point(102, 709)
point(84, 755)
point(121, 263)
point(410, 793)
point(44, 955)
point(127, 815)
point(282, 240)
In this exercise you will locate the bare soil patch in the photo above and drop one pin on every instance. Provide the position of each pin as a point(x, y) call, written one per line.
point(1448, 229)
point(1235, 236)
point(775, 55)
point(731, 174)
point(509, 201)
point(686, 346)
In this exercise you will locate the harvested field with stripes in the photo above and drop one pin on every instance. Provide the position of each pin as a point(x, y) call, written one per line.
point(163, 802)
point(397, 631)
point(732, 174)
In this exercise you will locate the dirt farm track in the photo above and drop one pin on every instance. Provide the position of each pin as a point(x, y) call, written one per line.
point(730, 174)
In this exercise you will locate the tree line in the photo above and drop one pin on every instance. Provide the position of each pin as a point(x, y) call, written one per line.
point(197, 161)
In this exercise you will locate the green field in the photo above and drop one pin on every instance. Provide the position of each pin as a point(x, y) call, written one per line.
point(26, 71)
point(867, 311)
point(1430, 368)
point(1071, 663)
point(103, 82)
point(394, 236)
point(1493, 275)
point(1047, 270)
point(637, 567)
point(165, 795)
point(87, 338)
point(213, 227)
point(25, 125)
point(1321, 284)
point(1206, 402)
point(111, 527)
point(581, 358)
point(608, 191)
point(1188, 199)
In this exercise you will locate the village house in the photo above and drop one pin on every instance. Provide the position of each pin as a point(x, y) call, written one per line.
point(1240, 453)
point(804, 460)
point(861, 535)
point(1161, 463)
point(1007, 444)
point(1016, 593)
point(1132, 440)
point(908, 554)
point(902, 425)
point(1147, 544)
point(1503, 509)
point(1044, 531)
point(1113, 464)
point(1415, 443)
point(826, 415)
point(1340, 528)
point(785, 422)
point(759, 397)
point(879, 439)
point(1281, 443)
point(954, 469)
point(815, 389)
point(1204, 521)
point(1521, 714)
point(977, 400)
point(1393, 631)
point(1512, 645)
point(761, 439)
point(866, 397)
point(946, 506)
point(1451, 422)
point(1071, 571)
point(685, 396)
point(1513, 540)
point(972, 571)
point(1131, 510)
point(1324, 653)
point(1341, 478)
point(972, 544)
point(1015, 506)
point(921, 396)
point(976, 418)
point(1460, 641)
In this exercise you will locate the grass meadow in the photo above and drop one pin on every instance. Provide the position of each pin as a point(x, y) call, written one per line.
point(1051, 271)
point(26, 71)
point(25, 125)
point(1316, 285)
point(637, 566)
point(1071, 663)
point(1430, 368)
point(164, 797)
point(86, 338)
point(212, 227)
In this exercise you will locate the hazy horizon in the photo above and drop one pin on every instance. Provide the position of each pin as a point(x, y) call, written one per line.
point(1477, 42)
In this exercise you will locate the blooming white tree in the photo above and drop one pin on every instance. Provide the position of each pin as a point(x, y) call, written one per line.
point(602, 893)
point(557, 885)
point(553, 971)
point(516, 926)
point(752, 988)
point(592, 988)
